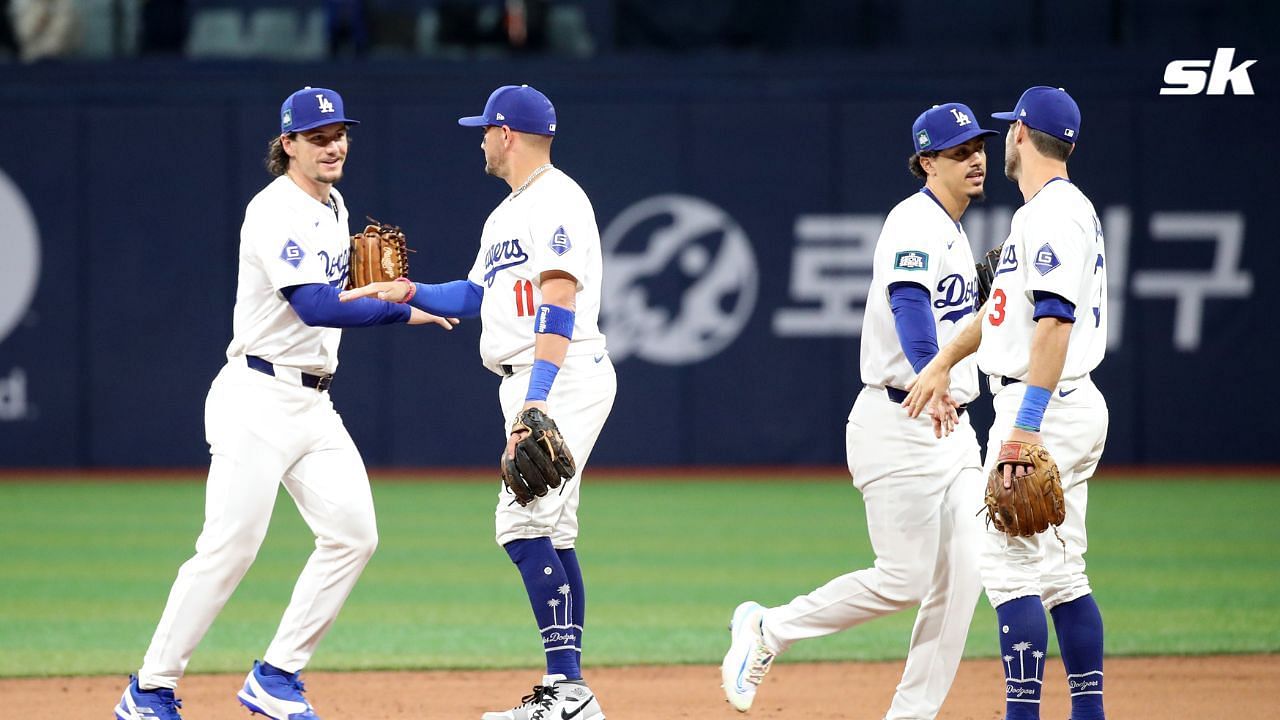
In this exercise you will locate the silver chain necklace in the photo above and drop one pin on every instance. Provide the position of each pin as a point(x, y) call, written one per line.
point(532, 176)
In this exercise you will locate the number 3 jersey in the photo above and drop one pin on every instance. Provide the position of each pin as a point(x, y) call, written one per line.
point(919, 244)
point(549, 226)
point(1055, 246)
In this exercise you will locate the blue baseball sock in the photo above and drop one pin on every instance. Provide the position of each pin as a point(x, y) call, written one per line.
point(569, 559)
point(552, 600)
point(1079, 627)
point(1024, 641)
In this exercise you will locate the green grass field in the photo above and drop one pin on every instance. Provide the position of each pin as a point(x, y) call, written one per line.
point(1178, 567)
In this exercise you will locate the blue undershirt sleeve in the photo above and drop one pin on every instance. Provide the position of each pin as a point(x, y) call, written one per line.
point(459, 299)
point(318, 306)
point(913, 319)
point(1050, 305)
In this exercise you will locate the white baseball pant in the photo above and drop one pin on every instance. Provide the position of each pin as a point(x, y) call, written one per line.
point(580, 400)
point(921, 494)
point(1074, 430)
point(263, 431)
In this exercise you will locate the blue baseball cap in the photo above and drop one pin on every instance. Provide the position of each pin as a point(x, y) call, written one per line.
point(519, 107)
point(944, 126)
point(310, 108)
point(1049, 110)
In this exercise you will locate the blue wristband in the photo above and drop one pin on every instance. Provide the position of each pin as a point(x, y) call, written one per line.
point(540, 379)
point(554, 319)
point(1031, 413)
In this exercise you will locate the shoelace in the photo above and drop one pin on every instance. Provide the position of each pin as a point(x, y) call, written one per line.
point(761, 661)
point(543, 697)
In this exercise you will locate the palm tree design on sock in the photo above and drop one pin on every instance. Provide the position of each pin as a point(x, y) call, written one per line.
point(553, 603)
point(1021, 648)
point(568, 603)
point(1008, 671)
point(1038, 656)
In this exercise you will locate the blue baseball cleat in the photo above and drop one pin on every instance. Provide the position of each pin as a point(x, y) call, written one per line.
point(138, 704)
point(279, 697)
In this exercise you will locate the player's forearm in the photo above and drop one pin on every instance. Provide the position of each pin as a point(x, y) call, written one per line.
point(1048, 352)
point(318, 305)
point(553, 330)
point(460, 298)
point(964, 344)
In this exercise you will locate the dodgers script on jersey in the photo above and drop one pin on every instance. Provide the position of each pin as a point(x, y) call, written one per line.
point(549, 226)
point(920, 244)
point(288, 238)
point(1054, 245)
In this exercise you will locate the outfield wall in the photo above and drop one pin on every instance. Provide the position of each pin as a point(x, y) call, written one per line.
point(766, 180)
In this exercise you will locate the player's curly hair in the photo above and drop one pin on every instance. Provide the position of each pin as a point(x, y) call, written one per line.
point(1048, 145)
point(277, 160)
point(913, 163)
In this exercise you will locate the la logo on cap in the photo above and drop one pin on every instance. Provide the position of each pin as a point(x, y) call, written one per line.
point(961, 118)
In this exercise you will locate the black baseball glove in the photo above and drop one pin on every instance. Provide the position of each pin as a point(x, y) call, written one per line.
point(987, 273)
point(541, 458)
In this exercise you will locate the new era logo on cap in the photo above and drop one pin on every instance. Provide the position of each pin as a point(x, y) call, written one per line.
point(1047, 109)
point(519, 107)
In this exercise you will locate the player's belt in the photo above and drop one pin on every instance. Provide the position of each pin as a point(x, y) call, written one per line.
point(898, 396)
point(1004, 382)
point(508, 371)
point(319, 382)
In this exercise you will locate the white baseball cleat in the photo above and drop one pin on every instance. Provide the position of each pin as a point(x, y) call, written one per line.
point(555, 699)
point(279, 697)
point(748, 659)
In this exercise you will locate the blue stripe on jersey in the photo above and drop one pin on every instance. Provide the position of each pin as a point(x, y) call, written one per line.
point(934, 198)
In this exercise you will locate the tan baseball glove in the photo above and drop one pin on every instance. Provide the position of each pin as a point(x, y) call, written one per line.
point(379, 254)
point(1034, 501)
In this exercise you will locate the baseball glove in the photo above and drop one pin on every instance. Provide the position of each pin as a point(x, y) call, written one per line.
point(1034, 501)
point(378, 254)
point(541, 458)
point(987, 273)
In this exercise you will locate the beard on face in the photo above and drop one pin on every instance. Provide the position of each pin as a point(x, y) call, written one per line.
point(1012, 164)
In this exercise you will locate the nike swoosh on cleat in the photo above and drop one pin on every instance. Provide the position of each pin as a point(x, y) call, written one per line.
point(1064, 393)
point(566, 715)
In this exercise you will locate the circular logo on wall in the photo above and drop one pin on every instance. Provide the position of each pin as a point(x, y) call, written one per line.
point(20, 248)
point(680, 281)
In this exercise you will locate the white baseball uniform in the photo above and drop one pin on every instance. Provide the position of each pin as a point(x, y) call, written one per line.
point(1055, 245)
point(264, 430)
point(920, 492)
point(550, 225)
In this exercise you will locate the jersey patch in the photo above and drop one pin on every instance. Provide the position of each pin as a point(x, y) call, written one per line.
point(1046, 260)
point(911, 260)
point(292, 253)
point(560, 242)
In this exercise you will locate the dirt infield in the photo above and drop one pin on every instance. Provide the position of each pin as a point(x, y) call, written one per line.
point(1243, 686)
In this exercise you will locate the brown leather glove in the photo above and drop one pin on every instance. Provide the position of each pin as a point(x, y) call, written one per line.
point(1034, 501)
point(379, 254)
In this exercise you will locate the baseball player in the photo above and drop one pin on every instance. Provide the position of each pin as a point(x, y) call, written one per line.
point(1042, 332)
point(269, 420)
point(920, 490)
point(536, 286)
